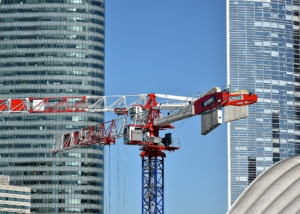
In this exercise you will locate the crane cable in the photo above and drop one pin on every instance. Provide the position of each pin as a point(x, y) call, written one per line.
point(105, 181)
point(118, 208)
point(108, 202)
point(181, 125)
point(109, 178)
point(124, 179)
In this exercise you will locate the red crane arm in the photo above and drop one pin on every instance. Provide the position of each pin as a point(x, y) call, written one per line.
point(104, 134)
point(225, 98)
point(71, 104)
point(147, 120)
point(144, 110)
point(44, 105)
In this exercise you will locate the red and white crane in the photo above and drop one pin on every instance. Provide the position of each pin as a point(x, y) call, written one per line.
point(148, 114)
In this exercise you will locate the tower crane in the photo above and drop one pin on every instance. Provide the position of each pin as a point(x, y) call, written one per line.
point(148, 113)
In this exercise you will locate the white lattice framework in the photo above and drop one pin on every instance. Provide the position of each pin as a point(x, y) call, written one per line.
point(103, 134)
point(86, 103)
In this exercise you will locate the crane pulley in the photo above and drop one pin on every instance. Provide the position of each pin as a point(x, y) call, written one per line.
point(148, 114)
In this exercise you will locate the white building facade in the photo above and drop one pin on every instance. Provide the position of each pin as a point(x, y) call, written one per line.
point(13, 199)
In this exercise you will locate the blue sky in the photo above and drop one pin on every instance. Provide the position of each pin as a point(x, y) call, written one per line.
point(168, 47)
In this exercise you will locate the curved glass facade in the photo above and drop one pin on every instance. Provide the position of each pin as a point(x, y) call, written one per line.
point(263, 57)
point(52, 48)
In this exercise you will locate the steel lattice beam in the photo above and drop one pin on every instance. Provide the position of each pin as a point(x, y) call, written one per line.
point(147, 119)
point(153, 185)
point(87, 103)
point(103, 134)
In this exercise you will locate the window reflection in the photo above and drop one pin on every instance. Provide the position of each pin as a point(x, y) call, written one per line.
point(267, 54)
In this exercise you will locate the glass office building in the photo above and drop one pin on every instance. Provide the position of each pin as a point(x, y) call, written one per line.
point(51, 48)
point(263, 57)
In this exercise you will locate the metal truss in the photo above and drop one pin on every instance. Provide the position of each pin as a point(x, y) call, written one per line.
point(14, 105)
point(153, 185)
point(113, 103)
point(147, 119)
point(97, 134)
point(118, 104)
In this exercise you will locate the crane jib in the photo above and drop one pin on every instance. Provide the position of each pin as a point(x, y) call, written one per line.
point(148, 114)
point(207, 102)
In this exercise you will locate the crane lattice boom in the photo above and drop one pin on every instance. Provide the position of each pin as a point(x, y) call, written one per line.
point(148, 114)
point(118, 104)
point(147, 118)
point(104, 134)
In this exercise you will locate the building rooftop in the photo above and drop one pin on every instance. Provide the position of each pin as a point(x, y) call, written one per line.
point(274, 191)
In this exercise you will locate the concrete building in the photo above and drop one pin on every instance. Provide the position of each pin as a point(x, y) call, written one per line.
point(13, 199)
point(51, 48)
point(274, 191)
point(263, 57)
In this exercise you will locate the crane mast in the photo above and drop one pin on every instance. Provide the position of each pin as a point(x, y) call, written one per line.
point(146, 121)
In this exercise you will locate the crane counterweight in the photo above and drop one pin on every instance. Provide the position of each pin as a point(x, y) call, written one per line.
point(148, 114)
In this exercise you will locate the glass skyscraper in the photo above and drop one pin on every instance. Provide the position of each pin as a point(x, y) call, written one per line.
point(52, 48)
point(263, 57)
